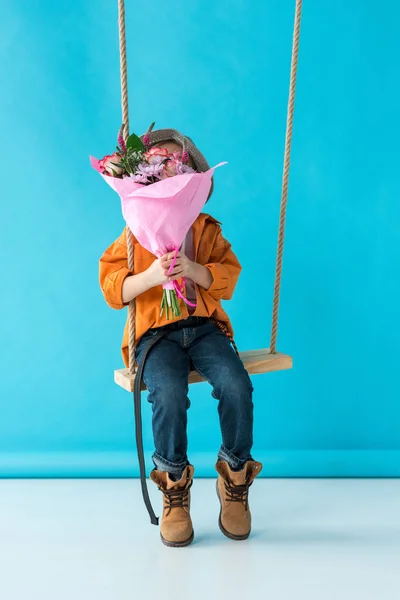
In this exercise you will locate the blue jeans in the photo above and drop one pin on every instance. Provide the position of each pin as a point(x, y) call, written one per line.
point(196, 343)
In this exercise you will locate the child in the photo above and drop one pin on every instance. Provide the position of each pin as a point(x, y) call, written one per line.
point(199, 339)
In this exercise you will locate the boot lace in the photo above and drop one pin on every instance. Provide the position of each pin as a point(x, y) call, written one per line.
point(176, 498)
point(237, 493)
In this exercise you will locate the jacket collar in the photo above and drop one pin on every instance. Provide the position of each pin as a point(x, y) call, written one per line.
point(198, 228)
point(203, 218)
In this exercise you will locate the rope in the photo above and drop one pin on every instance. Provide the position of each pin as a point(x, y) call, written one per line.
point(228, 334)
point(125, 133)
point(285, 178)
point(123, 68)
point(131, 307)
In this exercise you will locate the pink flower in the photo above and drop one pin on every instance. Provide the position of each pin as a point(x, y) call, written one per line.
point(146, 140)
point(120, 139)
point(146, 172)
point(106, 164)
point(170, 168)
point(174, 167)
point(155, 155)
point(182, 169)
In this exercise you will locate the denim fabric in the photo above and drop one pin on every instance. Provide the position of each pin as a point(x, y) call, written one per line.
point(196, 343)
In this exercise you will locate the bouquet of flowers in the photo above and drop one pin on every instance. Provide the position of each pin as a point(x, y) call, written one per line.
point(144, 164)
point(161, 196)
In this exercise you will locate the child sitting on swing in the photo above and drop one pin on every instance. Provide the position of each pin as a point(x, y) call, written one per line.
point(201, 340)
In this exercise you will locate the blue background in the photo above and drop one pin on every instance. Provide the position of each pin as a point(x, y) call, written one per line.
point(219, 72)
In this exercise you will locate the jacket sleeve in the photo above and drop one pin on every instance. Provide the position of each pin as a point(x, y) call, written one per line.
point(224, 268)
point(113, 269)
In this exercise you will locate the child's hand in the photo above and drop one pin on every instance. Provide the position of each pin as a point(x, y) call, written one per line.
point(155, 274)
point(183, 266)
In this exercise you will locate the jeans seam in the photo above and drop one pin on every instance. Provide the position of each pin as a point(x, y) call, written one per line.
point(251, 387)
point(203, 376)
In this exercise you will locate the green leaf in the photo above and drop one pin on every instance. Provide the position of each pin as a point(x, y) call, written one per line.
point(134, 141)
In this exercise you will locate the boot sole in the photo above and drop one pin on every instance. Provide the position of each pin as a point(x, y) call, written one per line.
point(177, 544)
point(226, 533)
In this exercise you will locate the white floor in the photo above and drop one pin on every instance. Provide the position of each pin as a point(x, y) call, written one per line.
point(91, 539)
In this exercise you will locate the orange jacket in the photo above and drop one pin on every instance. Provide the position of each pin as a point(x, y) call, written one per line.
point(211, 250)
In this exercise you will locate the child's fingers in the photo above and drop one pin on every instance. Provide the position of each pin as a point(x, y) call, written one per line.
point(178, 263)
point(174, 277)
point(175, 274)
point(167, 258)
point(164, 266)
point(175, 271)
point(171, 255)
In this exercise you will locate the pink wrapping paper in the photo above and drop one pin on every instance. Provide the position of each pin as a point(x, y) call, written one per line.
point(160, 214)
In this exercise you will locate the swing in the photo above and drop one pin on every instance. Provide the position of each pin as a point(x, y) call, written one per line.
point(255, 361)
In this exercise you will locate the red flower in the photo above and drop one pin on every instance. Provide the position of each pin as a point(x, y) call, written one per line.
point(106, 164)
point(155, 155)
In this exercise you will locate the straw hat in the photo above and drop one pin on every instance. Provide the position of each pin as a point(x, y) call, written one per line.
point(173, 135)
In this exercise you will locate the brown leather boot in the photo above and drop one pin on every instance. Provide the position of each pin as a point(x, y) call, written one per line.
point(233, 494)
point(176, 528)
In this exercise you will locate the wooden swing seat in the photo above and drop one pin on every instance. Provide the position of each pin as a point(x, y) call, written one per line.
point(255, 361)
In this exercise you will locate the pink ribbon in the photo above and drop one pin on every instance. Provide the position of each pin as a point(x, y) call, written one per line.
point(179, 289)
point(176, 250)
